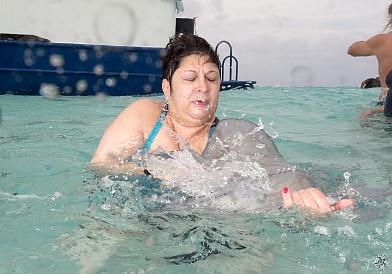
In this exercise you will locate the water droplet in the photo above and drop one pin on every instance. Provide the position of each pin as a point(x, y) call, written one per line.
point(147, 88)
point(49, 91)
point(133, 57)
point(83, 55)
point(111, 82)
point(347, 176)
point(301, 76)
point(115, 23)
point(124, 75)
point(98, 69)
point(81, 86)
point(56, 60)
point(105, 207)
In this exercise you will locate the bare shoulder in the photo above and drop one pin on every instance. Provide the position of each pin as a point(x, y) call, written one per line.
point(142, 109)
point(146, 102)
point(129, 130)
point(379, 39)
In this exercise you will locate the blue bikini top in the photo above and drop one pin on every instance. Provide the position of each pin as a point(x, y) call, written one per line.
point(147, 145)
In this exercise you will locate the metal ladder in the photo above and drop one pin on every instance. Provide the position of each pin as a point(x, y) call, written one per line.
point(231, 58)
point(231, 83)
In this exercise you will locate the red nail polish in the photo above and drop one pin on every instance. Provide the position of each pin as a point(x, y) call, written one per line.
point(285, 190)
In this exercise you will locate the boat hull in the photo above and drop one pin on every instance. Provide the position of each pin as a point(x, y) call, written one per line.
point(33, 68)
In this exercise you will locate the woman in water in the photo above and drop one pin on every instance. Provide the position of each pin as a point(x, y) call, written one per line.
point(191, 86)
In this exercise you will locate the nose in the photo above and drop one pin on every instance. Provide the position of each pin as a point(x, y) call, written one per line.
point(202, 84)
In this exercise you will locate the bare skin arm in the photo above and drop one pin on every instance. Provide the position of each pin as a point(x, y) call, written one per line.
point(124, 136)
point(360, 48)
point(365, 48)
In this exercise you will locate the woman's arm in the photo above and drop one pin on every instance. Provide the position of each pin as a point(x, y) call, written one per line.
point(123, 138)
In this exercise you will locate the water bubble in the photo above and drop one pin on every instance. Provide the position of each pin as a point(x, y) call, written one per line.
point(347, 231)
point(260, 124)
point(105, 207)
point(274, 135)
point(322, 230)
point(56, 195)
point(260, 145)
point(347, 176)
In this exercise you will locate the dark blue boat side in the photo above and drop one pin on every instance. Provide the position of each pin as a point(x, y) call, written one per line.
point(26, 67)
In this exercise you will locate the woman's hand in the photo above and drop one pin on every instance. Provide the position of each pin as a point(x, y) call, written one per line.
point(313, 200)
point(371, 111)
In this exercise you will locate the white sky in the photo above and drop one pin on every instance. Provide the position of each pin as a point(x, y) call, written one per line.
point(293, 42)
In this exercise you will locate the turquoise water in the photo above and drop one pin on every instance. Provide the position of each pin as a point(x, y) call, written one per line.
point(55, 216)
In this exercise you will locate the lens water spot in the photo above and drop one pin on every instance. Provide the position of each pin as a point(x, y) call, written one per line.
point(81, 86)
point(29, 58)
point(133, 57)
point(111, 82)
point(49, 91)
point(56, 60)
point(301, 76)
point(67, 90)
point(124, 75)
point(147, 88)
point(83, 55)
point(115, 23)
point(98, 69)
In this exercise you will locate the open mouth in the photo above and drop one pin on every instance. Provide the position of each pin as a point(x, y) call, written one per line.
point(202, 102)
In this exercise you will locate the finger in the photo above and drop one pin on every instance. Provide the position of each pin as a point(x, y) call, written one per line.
point(320, 199)
point(297, 199)
point(342, 204)
point(308, 199)
point(287, 199)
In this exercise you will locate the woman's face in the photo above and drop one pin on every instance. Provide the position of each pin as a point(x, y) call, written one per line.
point(194, 91)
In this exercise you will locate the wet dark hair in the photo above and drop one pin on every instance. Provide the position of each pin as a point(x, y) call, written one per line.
point(181, 46)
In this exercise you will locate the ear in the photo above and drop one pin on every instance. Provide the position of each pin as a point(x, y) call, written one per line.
point(166, 89)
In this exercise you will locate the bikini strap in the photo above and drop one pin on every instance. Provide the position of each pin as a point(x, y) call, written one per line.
point(155, 130)
point(213, 126)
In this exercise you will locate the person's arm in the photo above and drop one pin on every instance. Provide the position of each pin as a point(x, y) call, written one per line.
point(365, 48)
point(360, 48)
point(371, 111)
point(123, 137)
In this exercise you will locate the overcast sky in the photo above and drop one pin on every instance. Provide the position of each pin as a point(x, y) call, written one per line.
point(293, 42)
